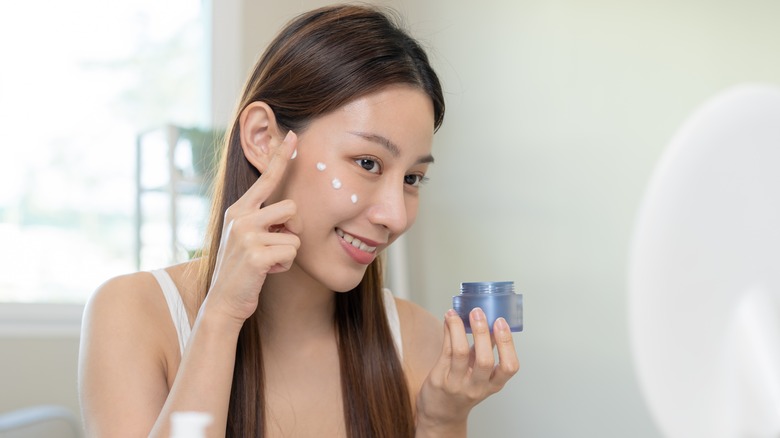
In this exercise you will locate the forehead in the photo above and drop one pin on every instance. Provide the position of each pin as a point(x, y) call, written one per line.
point(400, 114)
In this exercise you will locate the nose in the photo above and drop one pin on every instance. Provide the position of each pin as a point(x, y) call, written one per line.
point(389, 208)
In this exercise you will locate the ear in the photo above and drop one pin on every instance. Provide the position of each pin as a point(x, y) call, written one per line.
point(260, 134)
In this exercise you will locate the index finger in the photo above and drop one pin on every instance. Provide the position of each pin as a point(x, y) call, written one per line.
point(269, 180)
point(456, 349)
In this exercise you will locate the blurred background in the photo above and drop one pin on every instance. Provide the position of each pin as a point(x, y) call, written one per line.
point(557, 112)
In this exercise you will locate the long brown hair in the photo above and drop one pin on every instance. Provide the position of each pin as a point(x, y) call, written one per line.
point(319, 62)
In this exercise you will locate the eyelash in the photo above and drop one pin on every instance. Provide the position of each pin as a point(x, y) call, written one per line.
point(361, 161)
point(421, 179)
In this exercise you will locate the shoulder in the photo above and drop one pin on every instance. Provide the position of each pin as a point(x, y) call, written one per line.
point(423, 335)
point(137, 299)
point(124, 293)
point(131, 302)
point(419, 323)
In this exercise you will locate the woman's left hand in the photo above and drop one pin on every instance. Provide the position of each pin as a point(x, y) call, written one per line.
point(464, 376)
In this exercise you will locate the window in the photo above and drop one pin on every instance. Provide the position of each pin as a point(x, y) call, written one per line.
point(80, 81)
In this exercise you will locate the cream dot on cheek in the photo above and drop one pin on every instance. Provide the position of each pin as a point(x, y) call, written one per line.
point(336, 183)
point(353, 198)
point(321, 166)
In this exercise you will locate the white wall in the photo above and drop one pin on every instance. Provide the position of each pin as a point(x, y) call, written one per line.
point(38, 370)
point(557, 112)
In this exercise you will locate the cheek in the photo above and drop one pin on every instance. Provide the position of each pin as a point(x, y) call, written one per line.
point(331, 185)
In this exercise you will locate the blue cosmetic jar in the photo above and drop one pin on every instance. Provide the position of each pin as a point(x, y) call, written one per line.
point(495, 298)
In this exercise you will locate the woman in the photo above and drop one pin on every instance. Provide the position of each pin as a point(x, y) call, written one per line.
point(282, 328)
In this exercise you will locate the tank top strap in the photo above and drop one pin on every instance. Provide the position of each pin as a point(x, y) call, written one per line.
point(393, 321)
point(175, 306)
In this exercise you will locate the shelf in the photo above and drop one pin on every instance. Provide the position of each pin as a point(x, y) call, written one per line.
point(171, 161)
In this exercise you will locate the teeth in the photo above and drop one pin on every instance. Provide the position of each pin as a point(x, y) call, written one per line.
point(355, 241)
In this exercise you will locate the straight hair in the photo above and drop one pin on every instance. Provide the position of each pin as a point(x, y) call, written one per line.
point(319, 62)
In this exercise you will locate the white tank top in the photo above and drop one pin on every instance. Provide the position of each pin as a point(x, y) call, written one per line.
point(183, 328)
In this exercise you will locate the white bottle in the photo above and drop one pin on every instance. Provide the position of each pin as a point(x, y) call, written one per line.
point(189, 424)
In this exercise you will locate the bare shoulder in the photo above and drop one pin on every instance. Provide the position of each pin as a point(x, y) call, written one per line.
point(127, 301)
point(423, 335)
point(135, 301)
point(420, 325)
point(126, 288)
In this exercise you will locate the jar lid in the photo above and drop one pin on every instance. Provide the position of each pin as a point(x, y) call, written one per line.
point(488, 287)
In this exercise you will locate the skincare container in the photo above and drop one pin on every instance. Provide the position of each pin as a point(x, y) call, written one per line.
point(495, 298)
point(190, 424)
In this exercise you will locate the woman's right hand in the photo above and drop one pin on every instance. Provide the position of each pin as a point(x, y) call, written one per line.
point(257, 240)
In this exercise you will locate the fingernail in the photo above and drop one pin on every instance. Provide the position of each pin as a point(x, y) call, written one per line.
point(501, 324)
point(451, 313)
point(287, 137)
point(478, 314)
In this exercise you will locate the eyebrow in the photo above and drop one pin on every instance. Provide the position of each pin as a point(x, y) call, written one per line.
point(389, 145)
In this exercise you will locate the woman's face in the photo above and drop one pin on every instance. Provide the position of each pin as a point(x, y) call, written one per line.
point(356, 180)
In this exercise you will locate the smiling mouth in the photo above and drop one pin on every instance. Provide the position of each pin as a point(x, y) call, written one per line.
point(354, 241)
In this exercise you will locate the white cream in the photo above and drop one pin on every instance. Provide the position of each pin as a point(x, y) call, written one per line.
point(295, 154)
point(336, 183)
point(321, 166)
point(353, 198)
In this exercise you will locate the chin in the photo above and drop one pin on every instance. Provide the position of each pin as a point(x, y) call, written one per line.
point(345, 283)
point(346, 279)
point(334, 271)
point(336, 279)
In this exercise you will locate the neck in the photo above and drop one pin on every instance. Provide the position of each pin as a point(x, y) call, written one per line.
point(295, 308)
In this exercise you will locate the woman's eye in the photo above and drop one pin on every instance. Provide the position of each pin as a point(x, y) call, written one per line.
point(368, 164)
point(414, 180)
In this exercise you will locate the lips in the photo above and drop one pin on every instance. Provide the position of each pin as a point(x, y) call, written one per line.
point(355, 242)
